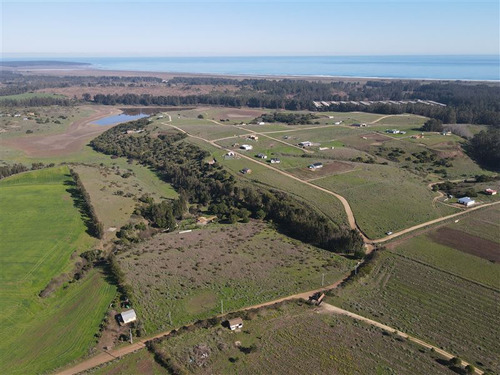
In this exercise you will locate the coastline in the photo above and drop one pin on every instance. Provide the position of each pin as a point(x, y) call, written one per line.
point(100, 72)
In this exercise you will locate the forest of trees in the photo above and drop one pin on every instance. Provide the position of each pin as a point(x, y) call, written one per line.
point(484, 148)
point(182, 165)
point(466, 102)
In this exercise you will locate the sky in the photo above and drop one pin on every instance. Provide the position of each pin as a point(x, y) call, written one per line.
point(248, 28)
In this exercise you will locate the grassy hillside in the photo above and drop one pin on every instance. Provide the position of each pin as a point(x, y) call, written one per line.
point(189, 274)
point(41, 229)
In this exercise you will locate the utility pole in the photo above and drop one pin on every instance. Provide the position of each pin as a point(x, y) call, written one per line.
point(131, 339)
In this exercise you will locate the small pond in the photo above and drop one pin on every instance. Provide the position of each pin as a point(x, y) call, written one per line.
point(118, 119)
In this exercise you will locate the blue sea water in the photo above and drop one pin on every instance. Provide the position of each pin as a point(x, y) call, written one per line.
point(463, 67)
point(118, 119)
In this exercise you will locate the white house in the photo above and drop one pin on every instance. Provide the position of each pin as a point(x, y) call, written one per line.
point(246, 147)
point(466, 201)
point(128, 316)
point(230, 154)
point(236, 323)
point(392, 131)
point(275, 161)
point(262, 123)
point(262, 156)
point(305, 144)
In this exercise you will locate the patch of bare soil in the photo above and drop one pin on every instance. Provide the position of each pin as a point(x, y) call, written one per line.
point(334, 167)
point(70, 141)
point(467, 243)
point(376, 137)
point(111, 333)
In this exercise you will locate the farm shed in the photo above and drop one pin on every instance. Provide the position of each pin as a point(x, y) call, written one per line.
point(466, 201)
point(235, 323)
point(262, 156)
point(490, 191)
point(254, 137)
point(246, 171)
point(305, 144)
point(246, 147)
point(275, 161)
point(128, 316)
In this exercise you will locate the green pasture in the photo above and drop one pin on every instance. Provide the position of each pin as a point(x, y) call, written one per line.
point(385, 198)
point(41, 229)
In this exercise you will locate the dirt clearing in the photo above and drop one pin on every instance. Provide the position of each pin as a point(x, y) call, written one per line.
point(467, 243)
point(70, 141)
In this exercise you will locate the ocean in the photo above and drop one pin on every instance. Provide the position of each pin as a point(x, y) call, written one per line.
point(463, 67)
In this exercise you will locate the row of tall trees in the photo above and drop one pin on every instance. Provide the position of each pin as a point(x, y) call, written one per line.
point(9, 170)
point(96, 227)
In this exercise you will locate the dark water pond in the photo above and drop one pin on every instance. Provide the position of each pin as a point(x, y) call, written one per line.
point(118, 119)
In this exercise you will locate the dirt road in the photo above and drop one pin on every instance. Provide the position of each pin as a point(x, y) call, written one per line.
point(415, 227)
point(345, 204)
point(111, 355)
point(71, 140)
point(327, 308)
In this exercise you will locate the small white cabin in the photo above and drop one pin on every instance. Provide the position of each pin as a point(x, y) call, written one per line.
point(128, 316)
point(236, 323)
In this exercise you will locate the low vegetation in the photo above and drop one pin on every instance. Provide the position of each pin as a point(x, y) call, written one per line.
point(293, 338)
point(188, 275)
point(436, 306)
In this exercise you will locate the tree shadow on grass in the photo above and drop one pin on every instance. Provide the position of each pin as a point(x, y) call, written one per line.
point(80, 204)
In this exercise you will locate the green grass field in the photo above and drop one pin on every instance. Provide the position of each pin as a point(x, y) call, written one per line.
point(294, 339)
point(385, 198)
point(30, 95)
point(41, 229)
point(189, 274)
point(104, 182)
point(458, 315)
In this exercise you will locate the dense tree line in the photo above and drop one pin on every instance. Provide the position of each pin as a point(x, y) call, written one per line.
point(96, 228)
point(287, 118)
point(484, 147)
point(15, 83)
point(9, 170)
point(36, 102)
point(182, 164)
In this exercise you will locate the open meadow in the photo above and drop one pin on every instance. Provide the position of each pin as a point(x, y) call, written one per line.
point(115, 188)
point(441, 308)
point(39, 243)
point(293, 338)
point(189, 274)
point(385, 198)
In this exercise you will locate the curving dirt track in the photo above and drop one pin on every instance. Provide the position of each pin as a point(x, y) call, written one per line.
point(67, 142)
